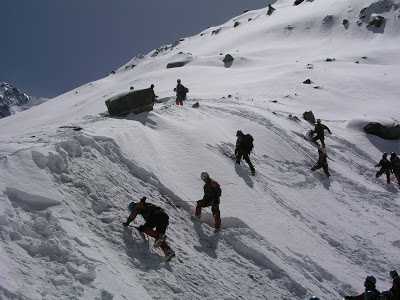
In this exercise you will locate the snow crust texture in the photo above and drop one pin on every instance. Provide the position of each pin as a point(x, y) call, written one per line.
point(287, 233)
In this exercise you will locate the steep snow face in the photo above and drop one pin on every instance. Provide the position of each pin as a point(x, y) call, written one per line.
point(13, 100)
point(287, 233)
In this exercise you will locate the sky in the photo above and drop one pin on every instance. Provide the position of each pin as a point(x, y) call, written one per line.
point(52, 46)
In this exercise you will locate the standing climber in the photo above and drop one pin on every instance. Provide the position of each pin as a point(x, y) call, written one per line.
point(394, 292)
point(322, 161)
point(386, 167)
point(319, 131)
point(181, 92)
point(212, 193)
point(155, 217)
point(395, 162)
point(371, 293)
point(244, 146)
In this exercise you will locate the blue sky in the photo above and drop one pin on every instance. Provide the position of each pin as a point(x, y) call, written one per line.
point(51, 46)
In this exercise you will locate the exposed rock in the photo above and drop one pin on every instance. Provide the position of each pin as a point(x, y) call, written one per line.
point(228, 60)
point(196, 105)
point(297, 2)
point(330, 59)
point(216, 31)
point(377, 24)
point(346, 23)
point(307, 81)
point(310, 66)
point(309, 117)
point(177, 64)
point(328, 21)
point(270, 10)
point(132, 102)
point(385, 132)
point(236, 24)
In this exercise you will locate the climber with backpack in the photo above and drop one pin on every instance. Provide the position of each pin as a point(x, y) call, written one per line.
point(244, 146)
point(154, 217)
point(371, 293)
point(212, 194)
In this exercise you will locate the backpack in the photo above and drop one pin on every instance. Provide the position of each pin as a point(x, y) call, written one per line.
point(217, 189)
point(247, 143)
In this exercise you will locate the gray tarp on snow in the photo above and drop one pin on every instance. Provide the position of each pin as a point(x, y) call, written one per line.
point(132, 102)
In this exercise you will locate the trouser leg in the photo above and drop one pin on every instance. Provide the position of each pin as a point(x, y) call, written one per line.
point(387, 176)
point(247, 159)
point(326, 170)
point(217, 216)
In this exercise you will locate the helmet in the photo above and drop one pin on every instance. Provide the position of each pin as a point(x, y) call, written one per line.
point(393, 155)
point(239, 133)
point(370, 281)
point(178, 81)
point(314, 298)
point(393, 274)
point(318, 120)
point(384, 154)
point(204, 176)
point(131, 206)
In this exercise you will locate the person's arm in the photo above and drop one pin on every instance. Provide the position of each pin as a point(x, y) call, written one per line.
point(379, 164)
point(327, 128)
point(131, 217)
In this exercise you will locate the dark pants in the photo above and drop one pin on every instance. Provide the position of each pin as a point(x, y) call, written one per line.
point(384, 171)
point(240, 154)
point(321, 138)
point(397, 175)
point(160, 221)
point(319, 166)
point(179, 100)
point(214, 209)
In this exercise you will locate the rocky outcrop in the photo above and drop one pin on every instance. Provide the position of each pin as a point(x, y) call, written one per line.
point(386, 132)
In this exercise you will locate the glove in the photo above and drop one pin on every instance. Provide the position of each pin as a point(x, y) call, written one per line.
point(125, 224)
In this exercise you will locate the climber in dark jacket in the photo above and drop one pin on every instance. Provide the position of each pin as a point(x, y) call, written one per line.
point(154, 217)
point(395, 163)
point(244, 146)
point(181, 92)
point(319, 131)
point(386, 167)
point(212, 193)
point(371, 293)
point(394, 292)
point(322, 161)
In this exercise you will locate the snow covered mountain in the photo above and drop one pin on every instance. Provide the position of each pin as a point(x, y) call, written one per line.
point(13, 100)
point(287, 233)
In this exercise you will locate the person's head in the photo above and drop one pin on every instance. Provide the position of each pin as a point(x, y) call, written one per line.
point(178, 81)
point(239, 133)
point(370, 282)
point(318, 121)
point(204, 176)
point(152, 86)
point(393, 155)
point(384, 155)
point(393, 274)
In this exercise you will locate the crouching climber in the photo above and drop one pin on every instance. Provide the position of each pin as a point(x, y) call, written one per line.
point(212, 193)
point(155, 217)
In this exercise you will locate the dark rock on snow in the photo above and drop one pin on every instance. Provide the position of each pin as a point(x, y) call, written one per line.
point(228, 60)
point(309, 117)
point(385, 132)
point(307, 81)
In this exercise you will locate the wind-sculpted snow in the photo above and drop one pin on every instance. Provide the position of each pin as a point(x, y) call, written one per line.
point(68, 170)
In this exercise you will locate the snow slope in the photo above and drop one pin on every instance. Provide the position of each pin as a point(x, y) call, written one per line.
point(287, 233)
